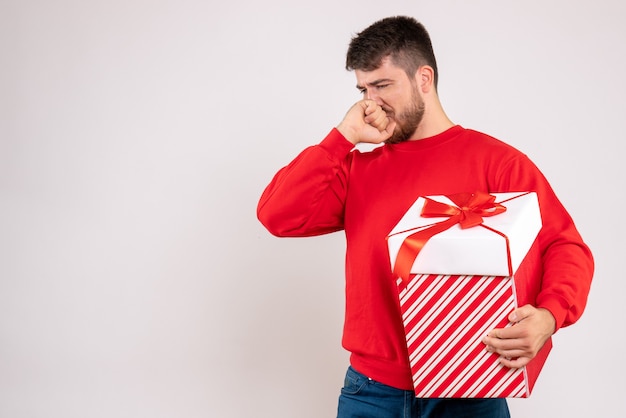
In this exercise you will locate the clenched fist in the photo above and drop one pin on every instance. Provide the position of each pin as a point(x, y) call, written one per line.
point(366, 122)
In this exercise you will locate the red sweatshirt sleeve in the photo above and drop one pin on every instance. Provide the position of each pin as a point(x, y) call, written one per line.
point(567, 261)
point(307, 196)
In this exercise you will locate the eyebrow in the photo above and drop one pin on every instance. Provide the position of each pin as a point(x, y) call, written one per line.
point(375, 83)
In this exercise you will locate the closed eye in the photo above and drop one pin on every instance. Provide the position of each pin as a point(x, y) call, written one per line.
point(378, 87)
point(377, 84)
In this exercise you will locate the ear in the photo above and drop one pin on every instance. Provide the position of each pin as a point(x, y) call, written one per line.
point(425, 78)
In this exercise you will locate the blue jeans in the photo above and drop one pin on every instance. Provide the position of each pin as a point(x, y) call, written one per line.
point(362, 397)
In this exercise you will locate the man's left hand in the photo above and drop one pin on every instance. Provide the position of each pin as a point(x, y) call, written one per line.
point(520, 342)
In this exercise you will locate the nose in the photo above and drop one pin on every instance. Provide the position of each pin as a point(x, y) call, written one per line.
point(370, 94)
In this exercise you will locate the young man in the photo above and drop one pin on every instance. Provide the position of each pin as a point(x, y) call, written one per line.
point(331, 186)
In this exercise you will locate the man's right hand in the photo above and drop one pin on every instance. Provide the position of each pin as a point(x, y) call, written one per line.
point(366, 122)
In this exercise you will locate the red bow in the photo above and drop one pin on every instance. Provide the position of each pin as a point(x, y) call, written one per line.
point(468, 212)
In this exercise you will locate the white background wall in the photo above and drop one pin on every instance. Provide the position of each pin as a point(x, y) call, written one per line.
point(137, 136)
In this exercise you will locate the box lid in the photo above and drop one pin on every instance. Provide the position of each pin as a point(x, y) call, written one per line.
point(494, 248)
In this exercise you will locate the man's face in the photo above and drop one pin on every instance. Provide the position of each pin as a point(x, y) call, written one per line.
point(398, 95)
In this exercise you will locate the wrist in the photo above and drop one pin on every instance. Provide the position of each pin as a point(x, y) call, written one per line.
point(549, 320)
point(348, 133)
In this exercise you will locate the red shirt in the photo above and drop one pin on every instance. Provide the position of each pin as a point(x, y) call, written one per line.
point(332, 186)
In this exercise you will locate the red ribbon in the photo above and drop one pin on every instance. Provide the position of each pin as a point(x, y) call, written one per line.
point(469, 212)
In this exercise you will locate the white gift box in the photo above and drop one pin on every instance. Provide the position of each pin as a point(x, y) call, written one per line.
point(495, 248)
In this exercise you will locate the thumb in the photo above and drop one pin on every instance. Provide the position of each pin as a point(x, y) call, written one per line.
point(391, 126)
point(521, 313)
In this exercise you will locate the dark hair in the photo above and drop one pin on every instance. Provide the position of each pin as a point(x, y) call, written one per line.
point(401, 38)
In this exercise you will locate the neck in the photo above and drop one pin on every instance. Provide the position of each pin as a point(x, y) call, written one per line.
point(434, 122)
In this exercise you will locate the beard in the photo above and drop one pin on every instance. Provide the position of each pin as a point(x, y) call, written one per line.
point(408, 120)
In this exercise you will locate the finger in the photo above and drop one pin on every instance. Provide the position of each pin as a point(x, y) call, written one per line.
point(376, 113)
point(510, 351)
point(370, 107)
point(514, 363)
point(391, 126)
point(513, 354)
point(381, 121)
point(503, 333)
point(496, 344)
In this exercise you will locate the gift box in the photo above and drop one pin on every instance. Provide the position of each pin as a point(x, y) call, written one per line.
point(464, 262)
